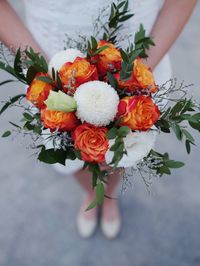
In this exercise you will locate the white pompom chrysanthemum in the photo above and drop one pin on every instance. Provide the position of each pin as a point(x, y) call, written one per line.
point(97, 103)
point(137, 144)
point(60, 58)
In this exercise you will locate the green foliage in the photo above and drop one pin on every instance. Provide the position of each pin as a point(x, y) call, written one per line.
point(6, 134)
point(128, 58)
point(92, 48)
point(52, 156)
point(174, 118)
point(100, 193)
point(7, 81)
point(142, 42)
point(11, 101)
point(118, 147)
point(32, 122)
point(112, 80)
point(45, 79)
point(16, 70)
point(35, 60)
point(92, 205)
point(119, 13)
point(161, 163)
point(98, 180)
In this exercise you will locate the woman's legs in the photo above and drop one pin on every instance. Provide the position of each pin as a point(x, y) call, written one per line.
point(84, 179)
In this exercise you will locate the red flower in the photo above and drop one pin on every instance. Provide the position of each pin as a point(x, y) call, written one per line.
point(59, 120)
point(38, 91)
point(109, 60)
point(141, 78)
point(92, 142)
point(74, 74)
point(138, 112)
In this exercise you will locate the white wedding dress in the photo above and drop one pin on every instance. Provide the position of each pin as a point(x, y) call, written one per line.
point(50, 20)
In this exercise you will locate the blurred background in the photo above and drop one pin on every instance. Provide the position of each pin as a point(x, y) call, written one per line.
point(38, 207)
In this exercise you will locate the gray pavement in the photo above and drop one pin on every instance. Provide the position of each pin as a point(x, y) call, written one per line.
point(38, 206)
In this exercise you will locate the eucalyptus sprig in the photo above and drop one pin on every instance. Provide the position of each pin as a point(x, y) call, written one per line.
point(161, 163)
point(174, 118)
point(15, 69)
point(119, 13)
point(128, 58)
point(142, 42)
point(118, 135)
point(92, 48)
point(98, 183)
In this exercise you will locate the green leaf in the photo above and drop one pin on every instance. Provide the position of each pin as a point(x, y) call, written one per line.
point(78, 154)
point(112, 133)
point(121, 4)
point(28, 126)
point(195, 125)
point(7, 81)
point(100, 193)
point(124, 18)
point(112, 80)
point(94, 42)
point(28, 117)
point(99, 50)
point(18, 65)
point(164, 170)
point(11, 101)
point(174, 164)
point(52, 156)
point(15, 125)
point(45, 79)
point(196, 116)
point(70, 154)
point(6, 134)
point(187, 145)
point(189, 117)
point(135, 54)
point(177, 131)
point(124, 56)
point(30, 75)
point(123, 131)
point(188, 135)
point(36, 60)
point(92, 205)
point(9, 69)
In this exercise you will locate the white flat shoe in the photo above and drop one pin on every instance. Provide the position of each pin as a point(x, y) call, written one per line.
point(86, 227)
point(111, 229)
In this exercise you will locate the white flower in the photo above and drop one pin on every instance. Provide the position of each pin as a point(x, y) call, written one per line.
point(97, 103)
point(60, 58)
point(138, 145)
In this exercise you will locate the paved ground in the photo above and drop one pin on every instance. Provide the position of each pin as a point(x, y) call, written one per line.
point(38, 206)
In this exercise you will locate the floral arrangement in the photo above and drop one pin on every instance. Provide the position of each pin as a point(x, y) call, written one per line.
point(101, 104)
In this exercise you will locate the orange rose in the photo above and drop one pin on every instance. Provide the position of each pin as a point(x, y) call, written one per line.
point(109, 60)
point(138, 112)
point(59, 120)
point(74, 74)
point(92, 142)
point(38, 91)
point(141, 78)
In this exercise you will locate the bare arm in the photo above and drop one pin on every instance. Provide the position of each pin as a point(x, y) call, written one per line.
point(13, 33)
point(169, 24)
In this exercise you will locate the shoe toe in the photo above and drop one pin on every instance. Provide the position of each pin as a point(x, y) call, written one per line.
point(111, 229)
point(86, 227)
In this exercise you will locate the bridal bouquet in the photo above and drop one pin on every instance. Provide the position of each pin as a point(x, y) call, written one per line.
point(100, 104)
